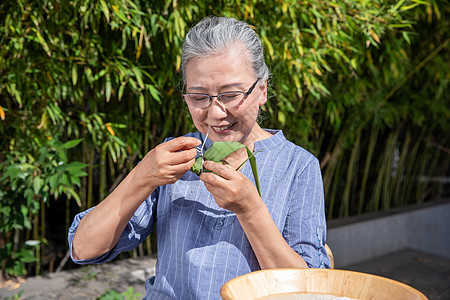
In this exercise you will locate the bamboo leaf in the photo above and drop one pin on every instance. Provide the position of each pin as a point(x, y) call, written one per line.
point(220, 150)
point(42, 42)
point(252, 159)
point(105, 9)
point(109, 128)
point(120, 92)
point(141, 104)
point(71, 193)
point(138, 75)
point(108, 88)
point(71, 144)
point(154, 92)
point(197, 167)
point(74, 74)
point(120, 14)
point(2, 113)
point(217, 152)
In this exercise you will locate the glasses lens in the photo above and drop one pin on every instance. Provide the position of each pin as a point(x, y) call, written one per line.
point(231, 99)
point(196, 100)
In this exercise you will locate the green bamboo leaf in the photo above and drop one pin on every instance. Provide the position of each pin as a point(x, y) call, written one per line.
point(71, 193)
point(397, 6)
point(112, 152)
point(197, 167)
point(74, 74)
point(252, 159)
point(105, 9)
point(108, 88)
point(120, 14)
point(217, 152)
point(138, 75)
point(154, 92)
point(141, 104)
point(71, 144)
point(220, 150)
point(120, 93)
point(42, 42)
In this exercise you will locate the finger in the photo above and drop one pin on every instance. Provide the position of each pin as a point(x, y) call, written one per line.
point(213, 183)
point(182, 168)
point(225, 171)
point(182, 143)
point(183, 156)
point(216, 181)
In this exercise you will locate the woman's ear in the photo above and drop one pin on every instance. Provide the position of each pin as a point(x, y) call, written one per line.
point(263, 95)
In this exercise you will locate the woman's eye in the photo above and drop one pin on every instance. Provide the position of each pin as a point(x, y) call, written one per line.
point(200, 98)
point(230, 97)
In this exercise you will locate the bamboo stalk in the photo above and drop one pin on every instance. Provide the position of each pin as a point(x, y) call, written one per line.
point(434, 158)
point(397, 181)
point(387, 180)
point(383, 171)
point(408, 185)
point(148, 118)
point(83, 192)
point(90, 178)
point(36, 237)
point(421, 186)
point(332, 197)
point(42, 230)
point(102, 172)
point(331, 166)
point(111, 164)
point(68, 219)
point(445, 162)
point(370, 150)
point(351, 176)
point(16, 240)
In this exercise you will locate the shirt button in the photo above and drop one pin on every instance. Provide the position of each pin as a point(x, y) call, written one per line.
point(219, 223)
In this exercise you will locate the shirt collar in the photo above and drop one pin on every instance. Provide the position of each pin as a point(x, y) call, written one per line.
point(275, 140)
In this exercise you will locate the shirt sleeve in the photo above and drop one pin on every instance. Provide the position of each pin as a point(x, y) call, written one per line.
point(305, 229)
point(136, 231)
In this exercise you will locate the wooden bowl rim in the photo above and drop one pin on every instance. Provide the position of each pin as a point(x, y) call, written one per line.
point(315, 270)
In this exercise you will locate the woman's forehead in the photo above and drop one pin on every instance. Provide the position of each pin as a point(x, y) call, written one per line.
point(229, 69)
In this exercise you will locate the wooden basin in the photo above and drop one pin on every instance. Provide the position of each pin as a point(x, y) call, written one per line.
point(316, 281)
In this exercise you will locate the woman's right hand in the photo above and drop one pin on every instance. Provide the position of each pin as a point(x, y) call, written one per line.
point(168, 162)
point(100, 230)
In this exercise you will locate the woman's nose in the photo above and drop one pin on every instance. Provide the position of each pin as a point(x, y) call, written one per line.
point(216, 109)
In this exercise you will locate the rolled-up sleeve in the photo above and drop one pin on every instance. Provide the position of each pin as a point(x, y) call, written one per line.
point(305, 229)
point(136, 231)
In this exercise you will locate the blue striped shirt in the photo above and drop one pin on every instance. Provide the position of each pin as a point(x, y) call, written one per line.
point(201, 246)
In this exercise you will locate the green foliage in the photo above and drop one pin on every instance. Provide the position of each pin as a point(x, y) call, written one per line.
point(32, 172)
point(16, 296)
point(129, 294)
point(15, 260)
point(361, 84)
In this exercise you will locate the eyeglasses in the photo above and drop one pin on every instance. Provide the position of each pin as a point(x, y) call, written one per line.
point(227, 99)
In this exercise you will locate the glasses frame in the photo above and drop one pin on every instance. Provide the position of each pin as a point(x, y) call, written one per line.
point(246, 94)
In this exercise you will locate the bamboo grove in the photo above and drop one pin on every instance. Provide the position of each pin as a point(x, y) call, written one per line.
point(88, 87)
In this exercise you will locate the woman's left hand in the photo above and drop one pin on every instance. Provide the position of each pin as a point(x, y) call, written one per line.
point(231, 190)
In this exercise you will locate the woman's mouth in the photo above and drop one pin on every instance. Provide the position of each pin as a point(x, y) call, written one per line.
point(222, 129)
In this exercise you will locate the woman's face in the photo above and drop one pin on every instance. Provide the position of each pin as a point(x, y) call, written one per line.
point(221, 73)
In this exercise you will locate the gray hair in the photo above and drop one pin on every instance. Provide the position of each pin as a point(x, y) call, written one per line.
point(214, 35)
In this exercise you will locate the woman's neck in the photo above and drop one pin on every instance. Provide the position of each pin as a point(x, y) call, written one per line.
point(236, 158)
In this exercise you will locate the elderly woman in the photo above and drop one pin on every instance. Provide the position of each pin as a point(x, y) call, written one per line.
point(214, 227)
